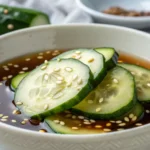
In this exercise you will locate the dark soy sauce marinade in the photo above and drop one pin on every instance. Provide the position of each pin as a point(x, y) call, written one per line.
point(11, 68)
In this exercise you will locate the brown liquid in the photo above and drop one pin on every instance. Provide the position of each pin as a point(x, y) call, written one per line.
point(32, 61)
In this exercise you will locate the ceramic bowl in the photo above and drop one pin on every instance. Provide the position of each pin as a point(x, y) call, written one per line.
point(64, 37)
point(95, 8)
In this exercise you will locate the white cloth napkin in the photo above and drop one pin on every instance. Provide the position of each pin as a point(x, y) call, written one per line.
point(59, 11)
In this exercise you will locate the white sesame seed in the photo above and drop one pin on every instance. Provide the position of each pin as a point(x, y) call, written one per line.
point(4, 78)
point(10, 26)
point(126, 119)
point(101, 100)
point(21, 72)
point(120, 129)
point(148, 84)
point(10, 76)
point(131, 116)
point(23, 122)
point(68, 115)
point(106, 130)
point(57, 69)
point(87, 123)
point(48, 52)
point(39, 57)
point(68, 69)
point(43, 67)
point(27, 59)
point(4, 120)
point(13, 121)
point(118, 121)
point(74, 117)
point(46, 77)
point(112, 121)
point(4, 66)
point(79, 81)
point(25, 68)
point(1, 83)
point(147, 111)
point(115, 80)
point(91, 60)
point(67, 111)
point(5, 11)
point(40, 53)
point(59, 82)
point(86, 120)
point(108, 124)
point(92, 121)
point(46, 107)
point(6, 69)
point(138, 124)
point(74, 77)
point(74, 128)
point(90, 101)
point(62, 123)
point(81, 117)
point(19, 103)
point(122, 124)
point(56, 121)
point(5, 117)
point(134, 118)
point(1, 115)
point(16, 66)
point(98, 109)
point(98, 126)
point(78, 52)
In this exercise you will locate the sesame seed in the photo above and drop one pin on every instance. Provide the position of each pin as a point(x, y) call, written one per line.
point(91, 60)
point(19, 103)
point(134, 118)
point(122, 124)
point(5, 117)
point(78, 52)
point(16, 112)
point(46, 107)
point(62, 123)
point(147, 111)
point(92, 121)
point(4, 120)
point(10, 26)
point(68, 69)
point(74, 128)
point(119, 121)
point(1, 83)
point(138, 124)
point(101, 100)
point(120, 61)
point(126, 119)
point(59, 82)
point(42, 131)
point(46, 77)
point(21, 72)
point(57, 69)
point(148, 84)
point(25, 68)
point(55, 54)
point(98, 109)
point(81, 117)
point(108, 124)
point(79, 81)
point(23, 122)
point(112, 121)
point(4, 66)
point(27, 59)
point(115, 80)
point(68, 115)
point(78, 57)
point(40, 57)
point(86, 120)
point(74, 117)
point(40, 53)
point(86, 123)
point(120, 129)
point(10, 76)
point(13, 121)
point(43, 67)
point(48, 52)
point(6, 69)
point(4, 78)
point(90, 101)
point(98, 126)
point(74, 77)
point(131, 116)
point(106, 130)
point(67, 111)
point(56, 121)
point(5, 11)
point(1, 115)
point(16, 66)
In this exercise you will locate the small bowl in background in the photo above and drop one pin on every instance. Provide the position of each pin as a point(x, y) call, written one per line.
point(95, 8)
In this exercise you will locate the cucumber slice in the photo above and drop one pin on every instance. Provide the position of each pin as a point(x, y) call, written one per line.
point(53, 87)
point(17, 79)
point(91, 58)
point(110, 54)
point(62, 123)
point(142, 79)
point(113, 97)
point(13, 18)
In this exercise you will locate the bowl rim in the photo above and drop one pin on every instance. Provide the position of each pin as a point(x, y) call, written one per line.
point(71, 137)
point(111, 17)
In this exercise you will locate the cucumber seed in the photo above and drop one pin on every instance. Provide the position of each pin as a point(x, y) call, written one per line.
point(19, 103)
point(101, 100)
point(90, 101)
point(43, 67)
point(115, 80)
point(91, 60)
point(79, 81)
point(74, 77)
point(98, 109)
point(57, 69)
point(78, 52)
point(148, 84)
point(68, 69)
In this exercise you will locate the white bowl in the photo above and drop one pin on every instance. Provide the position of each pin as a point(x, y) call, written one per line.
point(65, 37)
point(95, 8)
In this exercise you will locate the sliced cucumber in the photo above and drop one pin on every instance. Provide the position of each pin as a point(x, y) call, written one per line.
point(142, 79)
point(13, 18)
point(91, 58)
point(53, 87)
point(134, 115)
point(113, 97)
point(62, 123)
point(110, 54)
point(17, 79)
